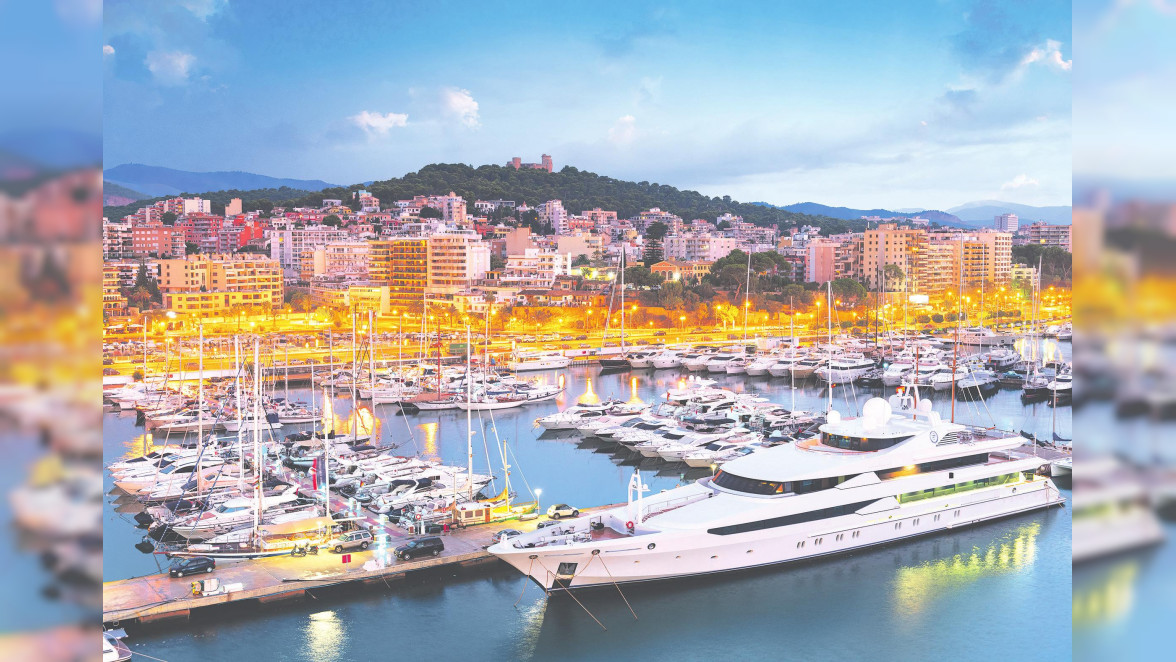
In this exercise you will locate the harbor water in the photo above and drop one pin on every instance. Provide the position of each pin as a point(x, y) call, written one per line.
point(1000, 588)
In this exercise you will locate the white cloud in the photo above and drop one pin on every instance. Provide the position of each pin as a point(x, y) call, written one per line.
point(623, 131)
point(202, 9)
point(1050, 54)
point(377, 123)
point(460, 105)
point(107, 49)
point(170, 67)
point(1020, 181)
point(79, 12)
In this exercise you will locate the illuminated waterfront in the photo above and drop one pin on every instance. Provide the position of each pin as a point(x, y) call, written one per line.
point(941, 591)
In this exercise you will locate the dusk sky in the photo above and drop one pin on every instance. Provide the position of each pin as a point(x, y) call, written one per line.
point(896, 105)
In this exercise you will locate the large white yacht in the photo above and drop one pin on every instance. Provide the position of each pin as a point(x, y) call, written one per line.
point(896, 472)
point(539, 361)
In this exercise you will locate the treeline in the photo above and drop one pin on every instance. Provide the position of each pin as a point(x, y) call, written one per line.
point(1057, 264)
point(264, 199)
point(578, 189)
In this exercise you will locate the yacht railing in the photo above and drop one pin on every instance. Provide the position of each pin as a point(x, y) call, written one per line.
point(672, 504)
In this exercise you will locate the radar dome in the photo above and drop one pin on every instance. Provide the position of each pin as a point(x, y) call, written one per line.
point(875, 413)
point(833, 416)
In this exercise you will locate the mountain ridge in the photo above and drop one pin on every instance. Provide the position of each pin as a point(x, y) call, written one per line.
point(153, 181)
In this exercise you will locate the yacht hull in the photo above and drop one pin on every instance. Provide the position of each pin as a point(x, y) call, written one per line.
point(691, 553)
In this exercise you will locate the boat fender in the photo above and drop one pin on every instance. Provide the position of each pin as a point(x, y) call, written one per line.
point(629, 525)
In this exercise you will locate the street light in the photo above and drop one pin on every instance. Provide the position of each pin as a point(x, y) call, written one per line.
point(538, 493)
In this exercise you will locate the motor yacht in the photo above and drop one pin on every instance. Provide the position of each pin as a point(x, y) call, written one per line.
point(539, 361)
point(896, 472)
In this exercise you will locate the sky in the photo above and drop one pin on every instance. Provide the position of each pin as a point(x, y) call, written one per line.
point(894, 105)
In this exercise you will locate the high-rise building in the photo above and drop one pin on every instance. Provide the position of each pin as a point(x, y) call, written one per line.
point(1006, 223)
point(286, 246)
point(553, 213)
point(1049, 235)
point(457, 257)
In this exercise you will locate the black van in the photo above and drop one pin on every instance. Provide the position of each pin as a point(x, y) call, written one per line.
point(420, 547)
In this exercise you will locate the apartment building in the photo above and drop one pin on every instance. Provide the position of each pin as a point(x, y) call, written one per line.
point(346, 260)
point(697, 247)
point(673, 270)
point(403, 264)
point(552, 212)
point(452, 207)
point(117, 241)
point(215, 283)
point(1049, 235)
point(1005, 222)
point(457, 257)
point(287, 246)
point(158, 240)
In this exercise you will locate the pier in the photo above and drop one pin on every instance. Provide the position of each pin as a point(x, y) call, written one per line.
point(154, 598)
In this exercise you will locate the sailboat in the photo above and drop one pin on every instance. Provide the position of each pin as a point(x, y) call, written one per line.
point(622, 361)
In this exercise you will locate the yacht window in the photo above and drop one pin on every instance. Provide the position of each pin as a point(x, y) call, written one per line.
point(860, 443)
point(787, 520)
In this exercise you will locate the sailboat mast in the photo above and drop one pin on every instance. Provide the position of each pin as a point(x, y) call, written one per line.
point(955, 347)
point(829, 351)
point(469, 419)
point(240, 414)
point(354, 375)
point(286, 382)
point(372, 352)
point(746, 297)
point(622, 299)
point(257, 460)
point(200, 392)
point(792, 351)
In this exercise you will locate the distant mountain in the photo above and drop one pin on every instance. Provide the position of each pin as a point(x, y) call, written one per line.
point(114, 194)
point(157, 181)
point(54, 148)
point(845, 213)
point(981, 212)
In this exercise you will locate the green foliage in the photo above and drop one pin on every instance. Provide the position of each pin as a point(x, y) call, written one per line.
point(656, 231)
point(653, 252)
point(137, 375)
point(923, 319)
point(849, 292)
point(581, 260)
point(497, 262)
point(430, 212)
point(191, 248)
point(937, 318)
point(332, 220)
point(1056, 262)
point(253, 199)
point(168, 218)
point(639, 277)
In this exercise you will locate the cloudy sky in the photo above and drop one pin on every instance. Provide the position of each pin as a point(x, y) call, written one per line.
point(898, 104)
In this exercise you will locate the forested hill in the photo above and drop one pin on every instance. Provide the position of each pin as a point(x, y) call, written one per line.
point(579, 190)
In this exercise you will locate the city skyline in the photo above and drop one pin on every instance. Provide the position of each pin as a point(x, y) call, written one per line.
point(951, 103)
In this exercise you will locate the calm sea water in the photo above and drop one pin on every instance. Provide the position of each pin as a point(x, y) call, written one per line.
point(1000, 585)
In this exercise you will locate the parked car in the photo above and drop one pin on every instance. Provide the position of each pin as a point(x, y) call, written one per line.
point(109, 371)
point(562, 510)
point(660, 333)
point(506, 533)
point(581, 337)
point(420, 547)
point(191, 566)
point(361, 538)
point(107, 361)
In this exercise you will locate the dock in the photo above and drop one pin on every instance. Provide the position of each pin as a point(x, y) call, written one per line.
point(154, 598)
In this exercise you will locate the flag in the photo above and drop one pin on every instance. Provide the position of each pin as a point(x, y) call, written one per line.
point(314, 474)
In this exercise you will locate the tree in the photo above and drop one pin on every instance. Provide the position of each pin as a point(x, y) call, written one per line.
point(581, 260)
point(431, 212)
point(497, 263)
point(168, 218)
point(332, 220)
point(893, 277)
point(849, 292)
point(642, 277)
point(656, 231)
point(653, 251)
point(191, 248)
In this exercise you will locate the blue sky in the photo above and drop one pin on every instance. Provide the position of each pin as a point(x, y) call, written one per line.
point(899, 104)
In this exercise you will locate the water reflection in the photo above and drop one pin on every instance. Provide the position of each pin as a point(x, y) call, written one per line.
point(430, 452)
point(634, 398)
point(324, 636)
point(917, 588)
point(589, 397)
point(1106, 597)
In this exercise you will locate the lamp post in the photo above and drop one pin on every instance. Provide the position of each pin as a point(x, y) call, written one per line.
point(538, 493)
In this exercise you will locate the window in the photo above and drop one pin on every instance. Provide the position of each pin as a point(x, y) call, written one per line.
point(788, 520)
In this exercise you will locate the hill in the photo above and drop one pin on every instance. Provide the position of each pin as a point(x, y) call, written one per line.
point(258, 198)
point(157, 181)
point(579, 190)
point(981, 212)
point(847, 213)
point(114, 194)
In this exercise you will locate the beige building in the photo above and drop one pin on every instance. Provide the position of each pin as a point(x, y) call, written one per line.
point(343, 259)
point(214, 283)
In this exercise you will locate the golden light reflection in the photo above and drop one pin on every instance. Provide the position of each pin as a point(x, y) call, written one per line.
point(531, 628)
point(430, 432)
point(324, 636)
point(328, 413)
point(589, 397)
point(634, 399)
point(1106, 601)
point(916, 588)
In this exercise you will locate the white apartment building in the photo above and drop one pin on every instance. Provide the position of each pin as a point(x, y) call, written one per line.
point(116, 240)
point(197, 206)
point(457, 257)
point(697, 247)
point(347, 260)
point(535, 268)
point(643, 220)
point(553, 212)
point(1006, 223)
point(286, 246)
